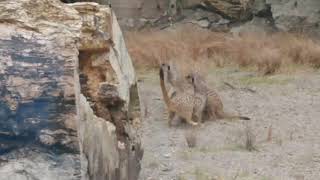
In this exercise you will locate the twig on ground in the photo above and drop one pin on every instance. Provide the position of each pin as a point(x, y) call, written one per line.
point(229, 85)
point(243, 89)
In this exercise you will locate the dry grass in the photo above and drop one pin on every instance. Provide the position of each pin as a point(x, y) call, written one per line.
point(191, 139)
point(267, 54)
point(269, 138)
point(250, 139)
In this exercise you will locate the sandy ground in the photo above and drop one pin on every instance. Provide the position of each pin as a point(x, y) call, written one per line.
point(285, 127)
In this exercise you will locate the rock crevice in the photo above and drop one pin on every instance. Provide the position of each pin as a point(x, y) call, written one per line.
point(108, 140)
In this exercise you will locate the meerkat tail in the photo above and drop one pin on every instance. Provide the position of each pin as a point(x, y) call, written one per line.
point(243, 118)
point(225, 115)
point(166, 115)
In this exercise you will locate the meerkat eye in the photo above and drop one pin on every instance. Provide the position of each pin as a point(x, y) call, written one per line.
point(162, 64)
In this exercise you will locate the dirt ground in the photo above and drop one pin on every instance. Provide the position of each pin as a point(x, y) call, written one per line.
point(285, 128)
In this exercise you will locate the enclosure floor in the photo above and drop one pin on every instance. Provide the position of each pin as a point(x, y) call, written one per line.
point(284, 112)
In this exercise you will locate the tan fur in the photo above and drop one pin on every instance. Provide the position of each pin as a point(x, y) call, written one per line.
point(185, 104)
point(214, 107)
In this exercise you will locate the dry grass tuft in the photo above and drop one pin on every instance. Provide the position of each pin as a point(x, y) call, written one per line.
point(250, 139)
point(267, 54)
point(269, 138)
point(191, 139)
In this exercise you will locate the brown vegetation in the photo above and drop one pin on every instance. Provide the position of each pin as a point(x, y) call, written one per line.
point(191, 138)
point(265, 53)
point(250, 139)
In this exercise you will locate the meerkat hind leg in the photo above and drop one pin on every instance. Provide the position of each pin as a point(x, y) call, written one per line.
point(199, 111)
point(211, 113)
point(202, 109)
point(176, 120)
point(171, 116)
point(191, 122)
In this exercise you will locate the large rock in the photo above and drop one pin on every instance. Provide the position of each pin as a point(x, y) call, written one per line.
point(261, 8)
point(292, 15)
point(107, 98)
point(28, 163)
point(236, 10)
point(256, 25)
point(287, 15)
point(65, 79)
point(37, 54)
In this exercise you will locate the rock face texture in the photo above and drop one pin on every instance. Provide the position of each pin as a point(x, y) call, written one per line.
point(284, 15)
point(290, 15)
point(107, 98)
point(37, 59)
point(231, 9)
point(68, 96)
point(38, 52)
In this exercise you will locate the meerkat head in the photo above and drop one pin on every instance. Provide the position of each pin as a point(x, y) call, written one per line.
point(164, 68)
point(190, 78)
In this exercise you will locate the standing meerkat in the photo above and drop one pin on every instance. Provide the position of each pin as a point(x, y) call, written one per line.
point(214, 106)
point(200, 103)
point(184, 104)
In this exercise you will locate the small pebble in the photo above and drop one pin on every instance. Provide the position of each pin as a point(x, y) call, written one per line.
point(166, 168)
point(167, 155)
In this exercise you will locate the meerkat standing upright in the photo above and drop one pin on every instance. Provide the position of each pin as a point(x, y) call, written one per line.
point(198, 111)
point(183, 104)
point(214, 107)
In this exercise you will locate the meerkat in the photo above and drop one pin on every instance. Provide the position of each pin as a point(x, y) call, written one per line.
point(200, 102)
point(182, 104)
point(214, 107)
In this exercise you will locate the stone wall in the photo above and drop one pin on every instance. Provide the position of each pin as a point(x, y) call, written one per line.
point(66, 79)
point(38, 52)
